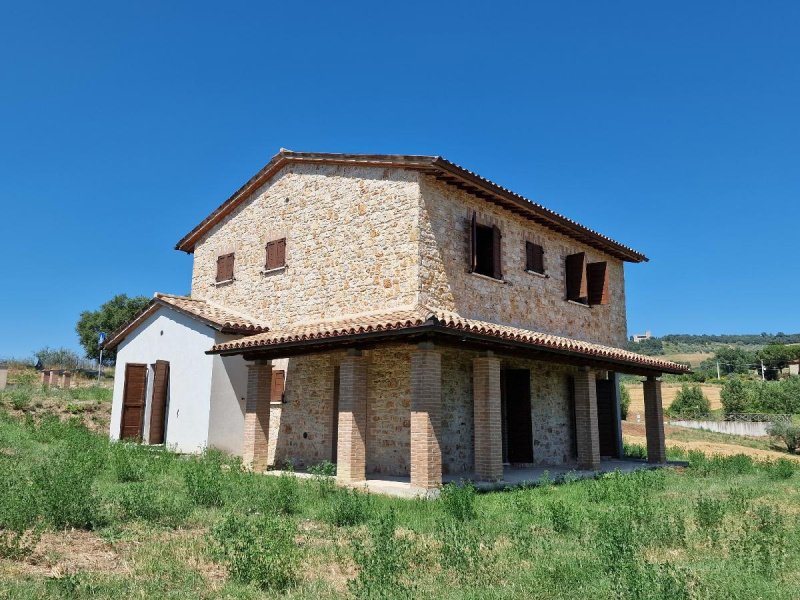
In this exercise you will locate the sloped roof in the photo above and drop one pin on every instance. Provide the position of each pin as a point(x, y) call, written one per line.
point(421, 317)
point(216, 317)
point(436, 166)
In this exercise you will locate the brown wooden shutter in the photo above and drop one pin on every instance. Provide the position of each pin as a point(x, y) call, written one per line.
point(133, 398)
point(473, 243)
point(597, 274)
point(281, 252)
point(497, 252)
point(278, 385)
point(225, 267)
point(534, 257)
point(577, 286)
point(272, 253)
point(159, 403)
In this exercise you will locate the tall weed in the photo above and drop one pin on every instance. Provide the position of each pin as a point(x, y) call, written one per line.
point(458, 501)
point(382, 562)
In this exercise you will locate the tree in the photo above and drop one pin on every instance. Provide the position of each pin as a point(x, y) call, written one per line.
point(108, 318)
point(690, 402)
point(734, 396)
point(776, 357)
point(624, 402)
point(57, 358)
point(733, 360)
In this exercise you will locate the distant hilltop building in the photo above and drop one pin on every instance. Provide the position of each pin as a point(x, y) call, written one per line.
point(642, 336)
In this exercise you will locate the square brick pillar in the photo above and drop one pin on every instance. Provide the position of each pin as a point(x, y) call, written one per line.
point(654, 421)
point(586, 425)
point(53, 378)
point(426, 417)
point(45, 377)
point(487, 421)
point(66, 380)
point(256, 415)
point(351, 446)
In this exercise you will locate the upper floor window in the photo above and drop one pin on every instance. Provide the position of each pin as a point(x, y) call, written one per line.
point(534, 258)
point(485, 249)
point(225, 267)
point(276, 254)
point(587, 283)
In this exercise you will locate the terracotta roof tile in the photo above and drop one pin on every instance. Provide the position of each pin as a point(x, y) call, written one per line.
point(423, 317)
point(221, 319)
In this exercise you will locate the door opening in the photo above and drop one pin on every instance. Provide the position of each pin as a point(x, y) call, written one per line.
point(159, 403)
point(516, 404)
point(607, 417)
point(335, 417)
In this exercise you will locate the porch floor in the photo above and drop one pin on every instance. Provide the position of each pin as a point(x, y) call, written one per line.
point(399, 486)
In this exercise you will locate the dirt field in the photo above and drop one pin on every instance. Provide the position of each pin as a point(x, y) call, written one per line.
point(668, 393)
point(693, 358)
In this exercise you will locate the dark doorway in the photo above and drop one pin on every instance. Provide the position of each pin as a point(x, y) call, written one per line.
point(516, 402)
point(607, 417)
point(158, 407)
point(133, 401)
point(335, 417)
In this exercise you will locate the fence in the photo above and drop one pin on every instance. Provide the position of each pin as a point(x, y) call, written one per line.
point(748, 424)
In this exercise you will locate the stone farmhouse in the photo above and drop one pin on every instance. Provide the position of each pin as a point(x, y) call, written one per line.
point(399, 316)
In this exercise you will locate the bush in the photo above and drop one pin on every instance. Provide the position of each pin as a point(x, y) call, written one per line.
point(285, 493)
point(788, 433)
point(128, 462)
point(783, 468)
point(257, 549)
point(20, 397)
point(624, 402)
point(709, 513)
point(348, 507)
point(461, 551)
point(458, 501)
point(563, 517)
point(634, 451)
point(690, 402)
point(734, 396)
point(762, 548)
point(382, 562)
point(155, 502)
point(323, 469)
point(205, 477)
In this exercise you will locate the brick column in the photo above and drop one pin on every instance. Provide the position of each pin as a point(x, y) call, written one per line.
point(256, 415)
point(426, 417)
point(351, 456)
point(66, 380)
point(53, 378)
point(486, 418)
point(654, 421)
point(3, 377)
point(586, 420)
point(45, 377)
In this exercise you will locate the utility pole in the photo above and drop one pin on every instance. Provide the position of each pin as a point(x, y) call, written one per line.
point(718, 376)
point(763, 378)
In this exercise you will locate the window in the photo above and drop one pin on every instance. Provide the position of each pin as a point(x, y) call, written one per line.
point(587, 283)
point(225, 267)
point(534, 258)
point(485, 249)
point(276, 254)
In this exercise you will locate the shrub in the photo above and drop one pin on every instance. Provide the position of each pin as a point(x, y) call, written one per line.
point(155, 502)
point(690, 402)
point(634, 451)
point(128, 462)
point(285, 493)
point(348, 507)
point(461, 552)
point(458, 501)
point(323, 469)
point(762, 548)
point(205, 477)
point(709, 513)
point(783, 468)
point(563, 517)
point(257, 549)
point(19, 397)
point(788, 433)
point(382, 562)
point(734, 396)
point(20, 528)
point(624, 402)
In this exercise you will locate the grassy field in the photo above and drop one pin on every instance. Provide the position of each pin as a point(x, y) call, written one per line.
point(693, 358)
point(668, 393)
point(83, 518)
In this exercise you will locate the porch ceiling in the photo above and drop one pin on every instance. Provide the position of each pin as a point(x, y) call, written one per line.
point(423, 324)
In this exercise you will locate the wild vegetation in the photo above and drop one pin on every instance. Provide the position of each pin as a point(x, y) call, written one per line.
point(108, 318)
point(203, 527)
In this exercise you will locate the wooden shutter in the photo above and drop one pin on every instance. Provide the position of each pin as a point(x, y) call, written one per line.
point(473, 243)
point(497, 252)
point(597, 274)
point(278, 386)
point(534, 254)
point(225, 267)
point(276, 254)
point(577, 286)
point(133, 398)
point(158, 405)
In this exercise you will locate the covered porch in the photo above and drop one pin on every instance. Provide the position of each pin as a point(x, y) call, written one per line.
point(493, 459)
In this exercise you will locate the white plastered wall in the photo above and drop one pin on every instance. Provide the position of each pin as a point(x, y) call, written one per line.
point(183, 342)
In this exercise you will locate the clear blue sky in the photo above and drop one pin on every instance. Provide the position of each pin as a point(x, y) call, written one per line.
point(673, 127)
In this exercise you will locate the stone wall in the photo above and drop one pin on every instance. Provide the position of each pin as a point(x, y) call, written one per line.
point(523, 299)
point(351, 245)
point(301, 429)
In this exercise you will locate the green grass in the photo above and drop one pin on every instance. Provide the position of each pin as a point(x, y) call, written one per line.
point(202, 527)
